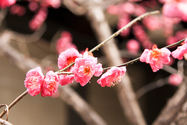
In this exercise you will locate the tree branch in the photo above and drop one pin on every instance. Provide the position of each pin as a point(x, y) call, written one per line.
point(173, 106)
point(26, 64)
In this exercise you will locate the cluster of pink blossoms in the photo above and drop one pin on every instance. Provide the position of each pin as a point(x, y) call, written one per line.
point(85, 67)
point(36, 82)
point(158, 57)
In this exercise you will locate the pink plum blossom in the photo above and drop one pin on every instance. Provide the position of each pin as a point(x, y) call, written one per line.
point(180, 51)
point(67, 57)
point(85, 68)
point(50, 84)
point(6, 3)
point(156, 57)
point(112, 76)
point(33, 81)
point(65, 79)
point(175, 79)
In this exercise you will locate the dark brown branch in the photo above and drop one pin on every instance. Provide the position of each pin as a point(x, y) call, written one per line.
point(173, 106)
point(181, 117)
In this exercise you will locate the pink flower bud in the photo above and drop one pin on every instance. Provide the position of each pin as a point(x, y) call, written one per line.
point(175, 79)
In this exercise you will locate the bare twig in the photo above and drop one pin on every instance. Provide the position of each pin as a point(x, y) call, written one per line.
point(123, 28)
point(3, 122)
point(1, 105)
point(13, 103)
point(151, 86)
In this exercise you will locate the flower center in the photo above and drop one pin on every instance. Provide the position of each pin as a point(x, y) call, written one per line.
point(71, 60)
point(115, 81)
point(86, 70)
point(51, 86)
point(155, 54)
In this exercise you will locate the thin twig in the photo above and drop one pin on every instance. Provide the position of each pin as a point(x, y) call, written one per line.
point(3, 122)
point(151, 86)
point(1, 105)
point(124, 28)
point(14, 102)
point(114, 35)
point(136, 59)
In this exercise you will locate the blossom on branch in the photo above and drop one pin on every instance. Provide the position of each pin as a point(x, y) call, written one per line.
point(67, 57)
point(85, 68)
point(50, 84)
point(112, 76)
point(180, 51)
point(33, 81)
point(156, 57)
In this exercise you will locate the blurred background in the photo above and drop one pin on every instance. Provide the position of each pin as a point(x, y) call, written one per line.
point(44, 41)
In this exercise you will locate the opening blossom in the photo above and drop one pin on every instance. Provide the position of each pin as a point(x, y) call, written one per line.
point(112, 76)
point(85, 68)
point(50, 84)
point(156, 57)
point(180, 51)
point(33, 81)
point(65, 58)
